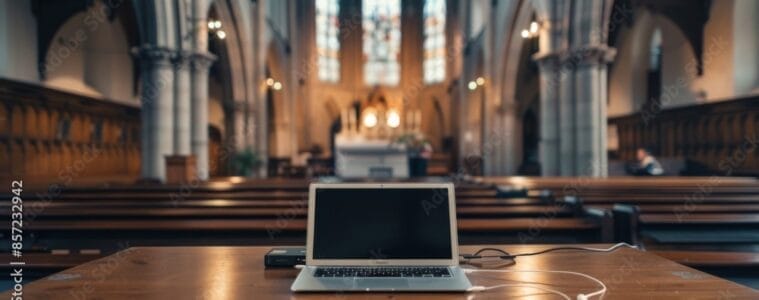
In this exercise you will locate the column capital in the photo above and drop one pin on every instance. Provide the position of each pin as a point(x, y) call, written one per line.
point(547, 59)
point(589, 55)
point(181, 59)
point(153, 55)
point(202, 60)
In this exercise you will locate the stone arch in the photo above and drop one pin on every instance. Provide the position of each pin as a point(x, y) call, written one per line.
point(89, 54)
point(627, 84)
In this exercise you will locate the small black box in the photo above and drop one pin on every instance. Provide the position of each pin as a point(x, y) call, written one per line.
point(285, 257)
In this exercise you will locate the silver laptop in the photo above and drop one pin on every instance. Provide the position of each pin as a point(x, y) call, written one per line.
point(382, 237)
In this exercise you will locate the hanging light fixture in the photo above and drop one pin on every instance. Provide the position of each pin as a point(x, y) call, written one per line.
point(214, 28)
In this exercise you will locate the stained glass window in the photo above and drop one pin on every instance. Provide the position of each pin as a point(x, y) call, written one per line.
point(382, 41)
point(434, 41)
point(327, 41)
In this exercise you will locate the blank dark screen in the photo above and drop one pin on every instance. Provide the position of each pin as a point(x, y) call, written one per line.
point(388, 223)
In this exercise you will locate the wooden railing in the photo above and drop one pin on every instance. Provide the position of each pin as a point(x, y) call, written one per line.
point(54, 136)
point(720, 136)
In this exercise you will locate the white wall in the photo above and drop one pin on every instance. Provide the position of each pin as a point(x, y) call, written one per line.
point(89, 55)
point(18, 41)
point(746, 39)
point(730, 59)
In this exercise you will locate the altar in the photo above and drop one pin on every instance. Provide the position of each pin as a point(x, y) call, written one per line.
point(363, 158)
point(373, 143)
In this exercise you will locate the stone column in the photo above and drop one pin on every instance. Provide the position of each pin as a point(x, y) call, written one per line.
point(590, 109)
point(550, 68)
point(200, 62)
point(157, 110)
point(182, 103)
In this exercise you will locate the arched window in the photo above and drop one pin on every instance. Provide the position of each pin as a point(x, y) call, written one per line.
point(434, 41)
point(382, 41)
point(327, 41)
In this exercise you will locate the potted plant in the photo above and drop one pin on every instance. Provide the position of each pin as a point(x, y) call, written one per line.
point(419, 151)
point(246, 162)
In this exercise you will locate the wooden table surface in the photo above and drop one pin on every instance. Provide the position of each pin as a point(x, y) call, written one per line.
point(238, 273)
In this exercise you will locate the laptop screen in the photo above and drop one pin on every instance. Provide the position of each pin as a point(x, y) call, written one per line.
point(382, 223)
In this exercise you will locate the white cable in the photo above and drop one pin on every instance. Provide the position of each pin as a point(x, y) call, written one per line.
point(610, 249)
point(600, 292)
point(483, 288)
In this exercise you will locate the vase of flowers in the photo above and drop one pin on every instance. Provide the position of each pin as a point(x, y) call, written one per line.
point(419, 152)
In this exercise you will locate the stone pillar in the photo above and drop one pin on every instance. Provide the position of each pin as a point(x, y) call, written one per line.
point(567, 139)
point(200, 63)
point(550, 68)
point(182, 121)
point(157, 110)
point(258, 119)
point(590, 109)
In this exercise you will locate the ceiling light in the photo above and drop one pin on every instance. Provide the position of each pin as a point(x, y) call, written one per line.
point(525, 34)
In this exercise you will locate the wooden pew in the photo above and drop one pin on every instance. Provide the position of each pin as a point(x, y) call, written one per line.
point(105, 219)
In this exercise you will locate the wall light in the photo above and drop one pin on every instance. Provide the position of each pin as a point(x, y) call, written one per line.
point(472, 85)
point(480, 81)
point(214, 24)
point(277, 86)
point(532, 31)
point(270, 81)
point(221, 34)
point(534, 27)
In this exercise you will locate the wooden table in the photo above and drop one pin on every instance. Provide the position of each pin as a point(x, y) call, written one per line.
point(238, 273)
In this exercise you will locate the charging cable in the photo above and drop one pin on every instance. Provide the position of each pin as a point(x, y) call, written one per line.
point(507, 255)
point(600, 292)
point(552, 291)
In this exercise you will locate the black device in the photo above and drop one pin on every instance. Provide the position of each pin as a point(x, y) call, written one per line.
point(285, 257)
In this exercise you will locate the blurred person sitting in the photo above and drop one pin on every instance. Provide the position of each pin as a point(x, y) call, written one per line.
point(646, 164)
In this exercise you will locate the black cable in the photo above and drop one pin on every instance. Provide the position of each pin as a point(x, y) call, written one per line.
point(511, 258)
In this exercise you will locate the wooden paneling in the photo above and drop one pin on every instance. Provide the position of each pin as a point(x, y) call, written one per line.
point(721, 136)
point(35, 146)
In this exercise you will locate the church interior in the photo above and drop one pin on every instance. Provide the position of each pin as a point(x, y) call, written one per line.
point(131, 124)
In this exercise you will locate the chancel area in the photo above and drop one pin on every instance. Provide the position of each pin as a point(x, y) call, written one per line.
point(191, 131)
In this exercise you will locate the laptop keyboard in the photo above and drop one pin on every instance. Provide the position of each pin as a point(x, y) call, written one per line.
point(382, 272)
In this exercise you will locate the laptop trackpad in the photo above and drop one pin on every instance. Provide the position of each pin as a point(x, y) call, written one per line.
point(380, 283)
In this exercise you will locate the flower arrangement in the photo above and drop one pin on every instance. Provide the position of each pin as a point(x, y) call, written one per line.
point(416, 144)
